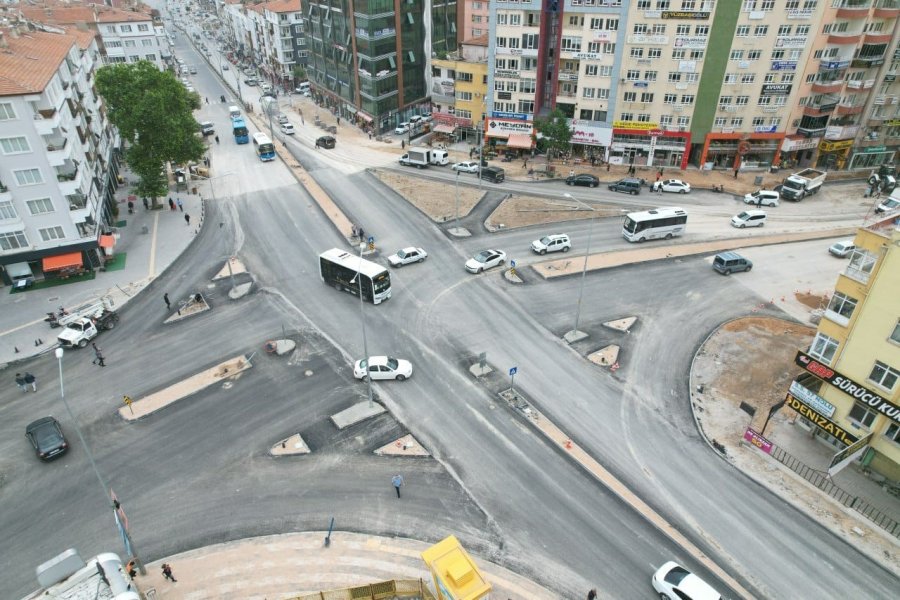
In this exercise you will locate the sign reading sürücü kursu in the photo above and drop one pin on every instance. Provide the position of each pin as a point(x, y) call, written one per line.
point(848, 386)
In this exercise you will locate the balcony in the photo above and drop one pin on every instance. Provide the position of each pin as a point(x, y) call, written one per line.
point(843, 39)
point(68, 174)
point(843, 109)
point(833, 65)
point(824, 106)
point(58, 151)
point(5, 194)
point(886, 9)
point(828, 87)
point(854, 9)
point(77, 201)
point(811, 132)
point(46, 120)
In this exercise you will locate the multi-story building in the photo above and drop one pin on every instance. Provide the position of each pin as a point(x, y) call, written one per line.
point(459, 89)
point(850, 389)
point(58, 170)
point(279, 31)
point(371, 61)
point(473, 19)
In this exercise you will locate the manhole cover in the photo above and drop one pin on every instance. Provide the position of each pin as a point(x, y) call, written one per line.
point(227, 385)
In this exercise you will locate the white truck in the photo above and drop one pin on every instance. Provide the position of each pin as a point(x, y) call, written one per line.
point(86, 323)
point(800, 185)
point(416, 158)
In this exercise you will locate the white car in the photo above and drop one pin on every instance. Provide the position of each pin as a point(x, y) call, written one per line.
point(558, 242)
point(383, 367)
point(470, 166)
point(673, 185)
point(402, 128)
point(407, 256)
point(842, 249)
point(282, 119)
point(673, 582)
point(427, 117)
point(415, 119)
point(763, 198)
point(287, 129)
point(485, 260)
point(224, 67)
point(749, 218)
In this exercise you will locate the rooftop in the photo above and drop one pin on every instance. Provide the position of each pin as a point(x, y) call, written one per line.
point(29, 61)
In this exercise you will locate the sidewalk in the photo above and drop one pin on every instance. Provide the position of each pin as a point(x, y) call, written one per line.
point(146, 256)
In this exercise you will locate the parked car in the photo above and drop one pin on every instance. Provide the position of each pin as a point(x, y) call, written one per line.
point(250, 81)
point(675, 186)
point(269, 94)
point(583, 179)
point(282, 119)
point(558, 242)
point(762, 198)
point(193, 70)
point(727, 263)
point(224, 67)
point(382, 367)
point(629, 185)
point(427, 117)
point(469, 166)
point(842, 249)
point(402, 128)
point(407, 256)
point(485, 259)
point(326, 141)
point(287, 129)
point(47, 438)
point(674, 582)
point(415, 119)
point(749, 218)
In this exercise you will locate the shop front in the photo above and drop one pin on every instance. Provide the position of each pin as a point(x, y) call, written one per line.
point(758, 150)
point(872, 157)
point(590, 142)
point(833, 154)
point(509, 136)
point(640, 143)
point(798, 151)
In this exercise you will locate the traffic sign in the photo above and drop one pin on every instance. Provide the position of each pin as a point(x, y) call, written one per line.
point(512, 264)
point(371, 239)
point(513, 371)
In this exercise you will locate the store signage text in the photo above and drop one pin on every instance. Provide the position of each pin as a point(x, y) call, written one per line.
point(510, 115)
point(777, 89)
point(639, 125)
point(791, 41)
point(699, 15)
point(821, 421)
point(503, 127)
point(694, 41)
point(784, 65)
point(832, 146)
point(757, 440)
point(811, 399)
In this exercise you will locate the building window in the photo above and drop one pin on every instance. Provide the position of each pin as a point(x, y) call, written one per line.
point(674, 76)
point(526, 106)
point(742, 100)
point(687, 99)
point(603, 93)
point(719, 122)
point(7, 112)
point(643, 118)
point(627, 116)
point(724, 100)
point(151, 57)
point(590, 70)
point(125, 28)
point(646, 97)
point(759, 121)
point(629, 96)
point(843, 305)
point(665, 120)
point(40, 206)
point(7, 211)
point(587, 92)
point(52, 233)
point(893, 432)
point(895, 335)
point(683, 30)
point(670, 98)
point(743, 31)
point(464, 96)
point(13, 240)
point(654, 52)
point(649, 75)
point(28, 177)
point(684, 121)
point(637, 52)
point(748, 77)
point(884, 376)
point(861, 265)
point(146, 42)
point(761, 31)
point(701, 30)
point(14, 145)
point(737, 122)
point(754, 54)
point(633, 75)
point(143, 27)
point(678, 53)
point(862, 414)
point(784, 30)
point(736, 55)
point(571, 44)
point(605, 70)
point(823, 348)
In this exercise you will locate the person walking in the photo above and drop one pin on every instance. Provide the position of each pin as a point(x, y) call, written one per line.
point(98, 355)
point(592, 595)
point(20, 381)
point(171, 203)
point(167, 573)
point(180, 204)
point(166, 300)
point(187, 219)
point(397, 481)
point(30, 380)
point(736, 171)
point(217, 139)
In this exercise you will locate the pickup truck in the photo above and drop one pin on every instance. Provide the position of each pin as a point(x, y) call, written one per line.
point(800, 185)
point(82, 330)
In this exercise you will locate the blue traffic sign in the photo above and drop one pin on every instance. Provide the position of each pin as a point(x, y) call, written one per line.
point(513, 371)
point(371, 239)
point(512, 263)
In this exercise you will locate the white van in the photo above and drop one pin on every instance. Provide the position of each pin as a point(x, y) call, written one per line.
point(889, 204)
point(440, 158)
point(234, 111)
point(749, 218)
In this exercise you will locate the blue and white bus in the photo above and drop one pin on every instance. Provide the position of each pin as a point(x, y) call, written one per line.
point(265, 149)
point(239, 128)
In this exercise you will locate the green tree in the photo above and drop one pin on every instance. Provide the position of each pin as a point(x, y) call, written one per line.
point(556, 135)
point(299, 73)
point(154, 114)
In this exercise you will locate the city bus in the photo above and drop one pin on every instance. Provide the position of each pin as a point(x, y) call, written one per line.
point(265, 150)
point(239, 128)
point(666, 222)
point(344, 271)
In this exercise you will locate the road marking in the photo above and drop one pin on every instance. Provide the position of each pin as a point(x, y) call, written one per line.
point(151, 269)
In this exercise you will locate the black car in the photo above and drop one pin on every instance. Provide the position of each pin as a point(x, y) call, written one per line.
point(47, 438)
point(583, 179)
point(495, 174)
point(326, 141)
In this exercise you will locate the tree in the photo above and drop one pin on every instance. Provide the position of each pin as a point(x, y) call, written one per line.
point(556, 135)
point(154, 114)
point(299, 73)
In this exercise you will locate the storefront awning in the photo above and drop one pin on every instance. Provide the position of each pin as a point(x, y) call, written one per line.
point(107, 241)
point(444, 129)
point(55, 263)
point(519, 140)
point(364, 116)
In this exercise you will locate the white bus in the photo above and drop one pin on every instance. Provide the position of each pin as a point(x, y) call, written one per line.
point(344, 271)
point(265, 150)
point(666, 222)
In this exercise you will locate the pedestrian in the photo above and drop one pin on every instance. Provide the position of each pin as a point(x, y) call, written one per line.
point(592, 595)
point(171, 204)
point(207, 100)
point(759, 201)
point(146, 203)
point(166, 300)
point(525, 163)
point(217, 139)
point(370, 134)
point(736, 169)
point(571, 172)
point(180, 205)
point(397, 481)
point(403, 146)
point(187, 219)
point(167, 573)
point(607, 167)
point(98, 355)
point(30, 380)
point(20, 381)
point(659, 176)
point(338, 120)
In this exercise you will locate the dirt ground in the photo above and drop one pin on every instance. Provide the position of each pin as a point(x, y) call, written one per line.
point(522, 211)
point(437, 200)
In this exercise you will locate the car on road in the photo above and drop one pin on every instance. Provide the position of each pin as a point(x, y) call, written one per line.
point(383, 367)
point(673, 582)
point(268, 94)
point(427, 117)
point(842, 249)
point(727, 263)
point(675, 186)
point(407, 256)
point(583, 179)
point(282, 119)
point(224, 67)
point(494, 174)
point(402, 128)
point(469, 166)
point(47, 438)
point(485, 259)
point(415, 119)
point(207, 128)
point(557, 242)
point(250, 81)
point(629, 185)
point(193, 70)
point(763, 198)
point(749, 218)
point(287, 129)
point(326, 141)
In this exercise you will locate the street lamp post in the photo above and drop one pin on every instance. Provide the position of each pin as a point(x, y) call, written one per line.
point(130, 550)
point(362, 317)
point(575, 335)
point(457, 200)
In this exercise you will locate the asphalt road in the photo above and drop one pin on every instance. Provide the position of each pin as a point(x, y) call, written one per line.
point(197, 472)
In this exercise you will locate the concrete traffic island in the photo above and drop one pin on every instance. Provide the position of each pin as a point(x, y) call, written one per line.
point(624, 324)
point(405, 446)
point(605, 357)
point(194, 305)
point(356, 414)
point(290, 446)
point(512, 276)
point(148, 405)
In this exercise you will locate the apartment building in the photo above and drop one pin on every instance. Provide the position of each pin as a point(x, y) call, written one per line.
point(474, 19)
point(59, 162)
point(459, 89)
point(371, 61)
point(125, 35)
point(849, 391)
point(280, 36)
